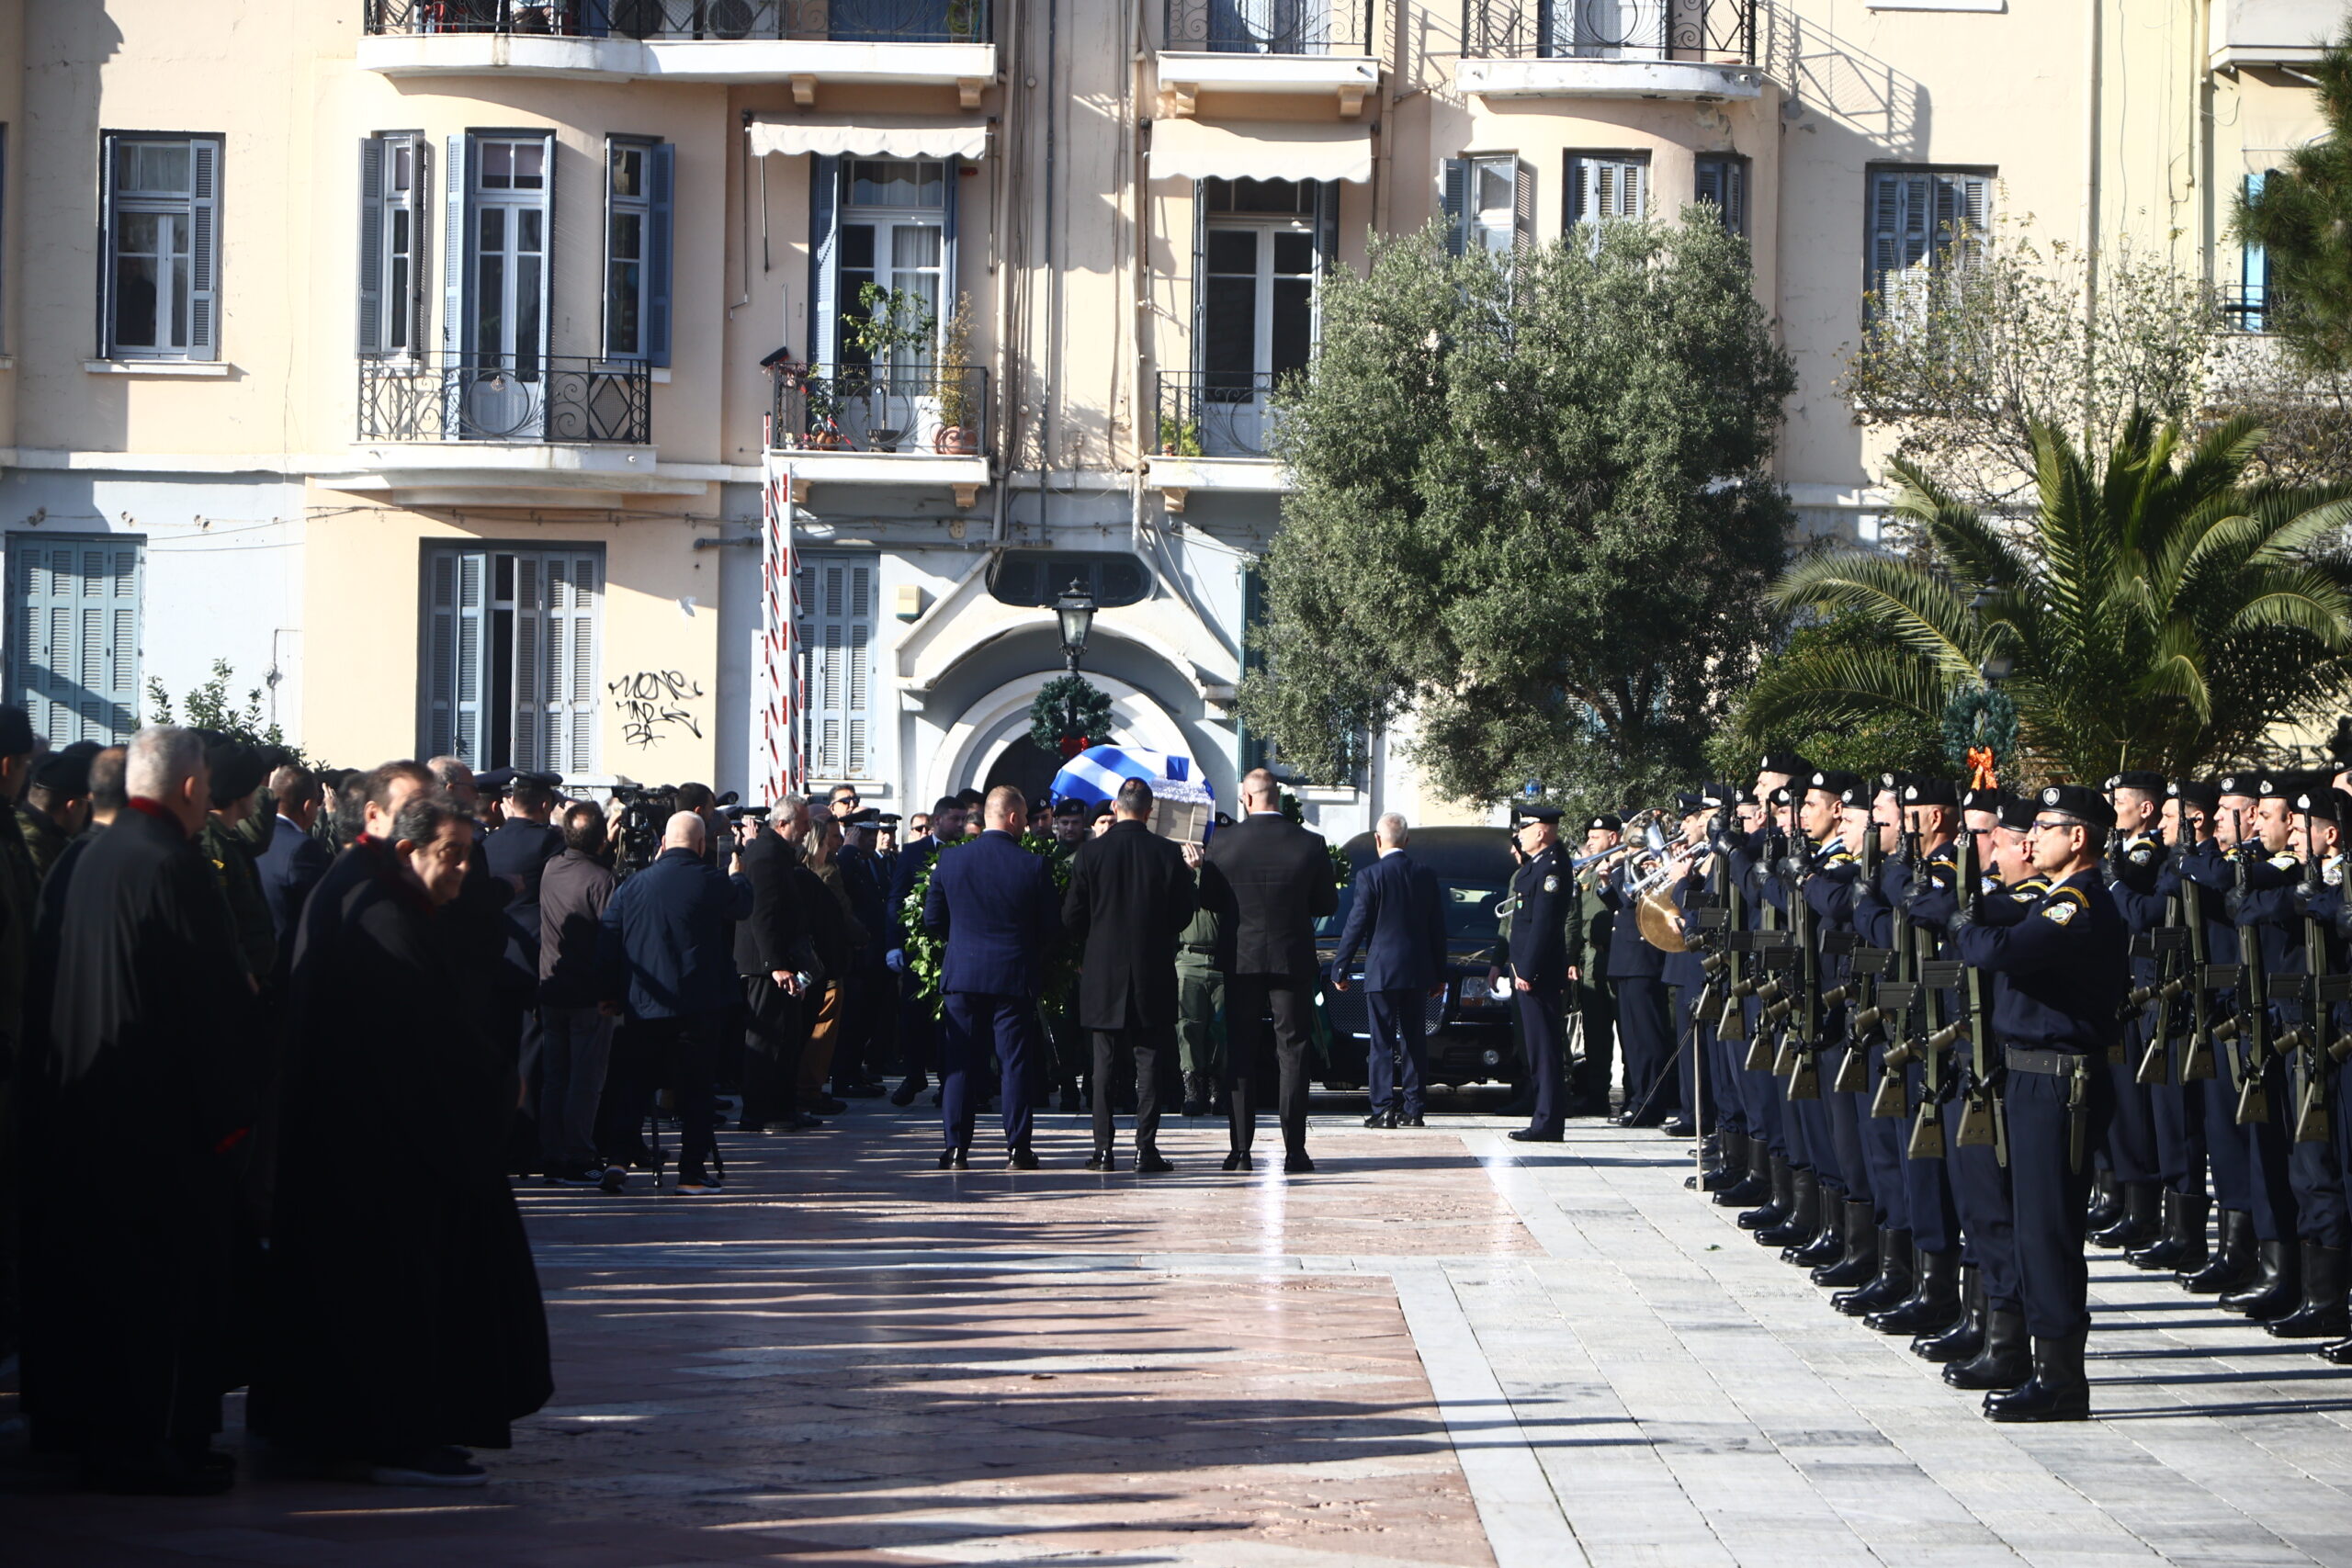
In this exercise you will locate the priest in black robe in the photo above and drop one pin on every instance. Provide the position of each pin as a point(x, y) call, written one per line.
point(405, 1323)
point(133, 1321)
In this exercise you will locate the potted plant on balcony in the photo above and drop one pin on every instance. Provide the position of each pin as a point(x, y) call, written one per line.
point(894, 320)
point(1178, 437)
point(959, 400)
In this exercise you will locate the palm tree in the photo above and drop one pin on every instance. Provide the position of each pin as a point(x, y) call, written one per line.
point(2156, 612)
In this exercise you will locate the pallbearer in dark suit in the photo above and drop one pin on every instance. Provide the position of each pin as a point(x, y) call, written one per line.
point(1398, 919)
point(993, 901)
point(1272, 880)
point(1130, 897)
point(1544, 934)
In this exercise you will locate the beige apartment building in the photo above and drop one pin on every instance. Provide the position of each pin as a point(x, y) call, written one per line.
point(422, 358)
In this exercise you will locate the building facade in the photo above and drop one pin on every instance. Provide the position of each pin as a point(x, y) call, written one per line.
point(419, 358)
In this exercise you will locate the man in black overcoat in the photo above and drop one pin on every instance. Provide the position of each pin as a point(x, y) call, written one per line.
point(1272, 880)
point(131, 1339)
point(1130, 897)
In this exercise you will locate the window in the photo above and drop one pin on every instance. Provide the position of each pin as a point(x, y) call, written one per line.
point(2247, 306)
point(1608, 29)
point(1267, 27)
point(1034, 578)
point(837, 599)
point(392, 243)
point(510, 656)
point(894, 233)
point(1260, 247)
point(1723, 180)
point(638, 177)
point(1603, 186)
point(73, 635)
point(1923, 221)
point(494, 277)
point(161, 208)
point(1489, 204)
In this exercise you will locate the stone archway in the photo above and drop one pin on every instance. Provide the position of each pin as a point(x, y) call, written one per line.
point(988, 728)
point(1027, 767)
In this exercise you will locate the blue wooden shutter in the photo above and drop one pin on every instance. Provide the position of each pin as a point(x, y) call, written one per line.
point(1522, 207)
point(1723, 181)
point(204, 248)
point(1199, 297)
point(530, 662)
point(373, 156)
point(456, 239)
point(953, 173)
point(662, 168)
point(456, 585)
point(837, 601)
point(825, 258)
point(569, 729)
point(74, 610)
point(1454, 202)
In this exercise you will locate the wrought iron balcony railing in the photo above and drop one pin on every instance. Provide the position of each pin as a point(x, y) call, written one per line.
point(2246, 309)
point(1715, 32)
point(437, 397)
point(1269, 27)
point(855, 21)
point(1216, 414)
point(883, 407)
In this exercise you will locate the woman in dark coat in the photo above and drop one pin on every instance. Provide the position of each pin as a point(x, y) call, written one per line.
point(406, 1320)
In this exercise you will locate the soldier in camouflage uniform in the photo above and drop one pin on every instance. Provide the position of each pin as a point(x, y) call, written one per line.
point(1200, 996)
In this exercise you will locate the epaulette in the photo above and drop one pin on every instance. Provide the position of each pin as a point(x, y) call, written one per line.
point(2076, 893)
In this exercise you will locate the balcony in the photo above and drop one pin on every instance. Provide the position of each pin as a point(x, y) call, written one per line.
point(903, 43)
point(2272, 32)
point(1215, 433)
point(895, 424)
point(1288, 46)
point(1698, 50)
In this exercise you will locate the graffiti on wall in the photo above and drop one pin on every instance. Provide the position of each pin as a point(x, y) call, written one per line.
point(651, 699)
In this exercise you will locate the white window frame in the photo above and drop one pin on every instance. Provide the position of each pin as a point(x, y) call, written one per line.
point(840, 604)
point(196, 207)
point(1605, 185)
point(651, 206)
point(552, 612)
point(887, 221)
point(394, 195)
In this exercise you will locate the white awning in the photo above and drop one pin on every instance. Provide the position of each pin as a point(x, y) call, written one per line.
point(1261, 150)
point(870, 135)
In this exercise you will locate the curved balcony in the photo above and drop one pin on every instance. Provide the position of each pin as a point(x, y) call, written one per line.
point(1268, 46)
point(904, 42)
point(1699, 49)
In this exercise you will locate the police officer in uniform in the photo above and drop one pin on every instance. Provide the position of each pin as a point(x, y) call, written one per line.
point(1543, 917)
point(1588, 969)
point(2135, 861)
point(2063, 957)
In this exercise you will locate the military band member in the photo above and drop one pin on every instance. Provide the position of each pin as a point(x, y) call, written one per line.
point(1644, 1016)
point(2064, 958)
point(1596, 1002)
point(1542, 912)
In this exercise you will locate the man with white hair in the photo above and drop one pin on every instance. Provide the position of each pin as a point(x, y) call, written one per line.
point(129, 1346)
point(1397, 917)
point(668, 932)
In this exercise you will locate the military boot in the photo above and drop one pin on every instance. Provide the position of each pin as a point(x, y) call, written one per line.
point(1753, 1188)
point(2321, 1314)
point(2234, 1262)
point(1731, 1164)
point(1775, 1208)
point(2139, 1224)
point(2058, 1389)
point(1893, 1282)
point(2182, 1246)
point(1828, 1244)
point(1804, 1221)
point(2277, 1288)
point(2106, 1201)
point(1858, 1260)
point(1964, 1338)
point(1933, 1304)
point(2003, 1362)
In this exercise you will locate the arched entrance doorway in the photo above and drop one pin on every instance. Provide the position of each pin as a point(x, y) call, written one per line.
point(1027, 767)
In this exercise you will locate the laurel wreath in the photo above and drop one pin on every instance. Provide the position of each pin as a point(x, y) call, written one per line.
point(926, 952)
point(1980, 718)
point(1056, 701)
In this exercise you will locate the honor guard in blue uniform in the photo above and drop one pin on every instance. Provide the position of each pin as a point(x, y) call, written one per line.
point(2064, 961)
point(2173, 1066)
point(1541, 908)
point(2132, 866)
point(2304, 828)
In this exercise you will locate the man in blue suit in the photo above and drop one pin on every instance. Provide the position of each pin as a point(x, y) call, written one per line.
point(295, 860)
point(994, 904)
point(1398, 918)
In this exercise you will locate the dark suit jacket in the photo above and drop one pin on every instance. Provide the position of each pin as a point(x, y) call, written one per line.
point(1398, 918)
point(289, 868)
point(906, 865)
point(993, 901)
point(1272, 879)
point(775, 934)
point(1130, 897)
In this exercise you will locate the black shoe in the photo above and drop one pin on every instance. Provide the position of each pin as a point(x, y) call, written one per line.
point(2140, 1222)
point(2321, 1314)
point(904, 1095)
point(1296, 1163)
point(752, 1127)
point(1412, 1119)
point(1679, 1130)
point(954, 1159)
point(1828, 1244)
point(1964, 1338)
point(1021, 1159)
point(826, 1105)
point(615, 1178)
point(2056, 1392)
point(859, 1088)
point(2276, 1292)
point(2003, 1361)
point(2336, 1355)
point(1933, 1304)
point(1381, 1119)
point(1753, 1187)
point(2181, 1249)
point(1534, 1135)
point(2234, 1263)
point(1238, 1162)
point(1101, 1161)
point(800, 1122)
point(1150, 1162)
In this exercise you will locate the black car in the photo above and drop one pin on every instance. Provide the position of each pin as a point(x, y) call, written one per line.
point(1469, 1027)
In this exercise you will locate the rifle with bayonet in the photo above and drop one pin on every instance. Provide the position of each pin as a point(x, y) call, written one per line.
point(1864, 964)
point(1895, 1000)
point(2304, 1045)
point(1740, 983)
point(1980, 1121)
point(2247, 1030)
point(2197, 1053)
point(1801, 1040)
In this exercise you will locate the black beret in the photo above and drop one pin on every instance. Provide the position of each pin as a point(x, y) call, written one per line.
point(2079, 802)
point(1781, 795)
point(1926, 789)
point(1743, 794)
point(1982, 800)
point(1101, 811)
point(237, 770)
point(1787, 762)
point(1069, 805)
point(2280, 785)
point(65, 772)
point(1716, 794)
point(2201, 793)
point(1607, 822)
point(16, 730)
point(2017, 812)
point(1858, 796)
point(2243, 784)
point(2319, 804)
point(1539, 814)
point(1834, 781)
point(2146, 780)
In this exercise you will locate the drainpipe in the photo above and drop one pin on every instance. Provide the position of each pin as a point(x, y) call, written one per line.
point(2201, 136)
point(2091, 109)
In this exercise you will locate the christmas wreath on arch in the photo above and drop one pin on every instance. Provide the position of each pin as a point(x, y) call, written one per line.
point(1070, 713)
point(1980, 733)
